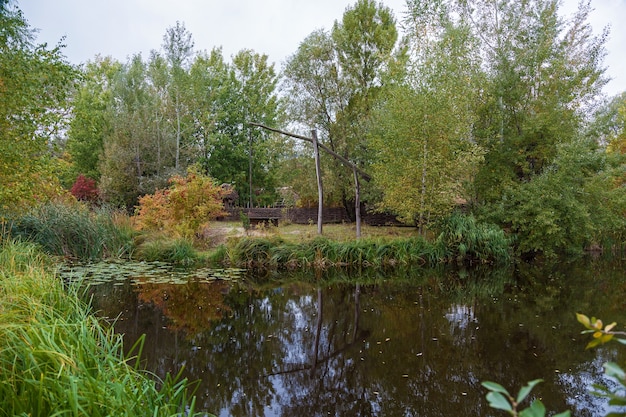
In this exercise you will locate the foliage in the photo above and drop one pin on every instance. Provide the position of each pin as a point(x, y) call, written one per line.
point(85, 189)
point(331, 84)
point(429, 116)
point(570, 206)
point(601, 335)
point(56, 358)
point(34, 85)
point(467, 240)
point(177, 252)
point(92, 116)
point(499, 398)
point(74, 231)
point(184, 208)
point(543, 73)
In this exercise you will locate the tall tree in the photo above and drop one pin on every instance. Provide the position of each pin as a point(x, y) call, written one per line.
point(34, 85)
point(178, 48)
point(422, 130)
point(92, 116)
point(333, 79)
point(211, 90)
point(159, 79)
point(543, 71)
point(128, 164)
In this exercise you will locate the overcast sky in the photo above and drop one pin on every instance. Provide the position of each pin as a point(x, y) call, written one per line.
point(121, 28)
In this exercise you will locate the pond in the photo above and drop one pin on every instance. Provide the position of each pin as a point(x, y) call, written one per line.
point(396, 343)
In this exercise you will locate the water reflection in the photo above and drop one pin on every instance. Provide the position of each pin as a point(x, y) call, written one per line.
point(415, 344)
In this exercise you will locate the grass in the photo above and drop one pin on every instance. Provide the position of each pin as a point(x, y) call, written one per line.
point(177, 251)
point(460, 240)
point(74, 231)
point(57, 359)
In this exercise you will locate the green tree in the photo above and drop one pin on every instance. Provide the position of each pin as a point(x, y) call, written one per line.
point(542, 72)
point(178, 48)
point(34, 85)
point(332, 82)
point(235, 95)
point(92, 117)
point(429, 118)
point(165, 152)
point(211, 90)
point(128, 162)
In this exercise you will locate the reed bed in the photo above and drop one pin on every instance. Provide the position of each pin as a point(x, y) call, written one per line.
point(177, 252)
point(75, 231)
point(57, 359)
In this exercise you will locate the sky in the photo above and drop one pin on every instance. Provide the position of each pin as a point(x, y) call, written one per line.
point(122, 28)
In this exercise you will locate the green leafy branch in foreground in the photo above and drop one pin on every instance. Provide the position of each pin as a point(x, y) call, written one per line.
point(499, 398)
point(601, 335)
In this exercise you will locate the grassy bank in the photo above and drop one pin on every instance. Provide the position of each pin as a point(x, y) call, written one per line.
point(460, 239)
point(78, 233)
point(57, 359)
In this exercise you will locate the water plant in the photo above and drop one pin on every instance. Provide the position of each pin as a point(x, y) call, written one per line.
point(467, 240)
point(322, 252)
point(75, 231)
point(56, 358)
point(178, 251)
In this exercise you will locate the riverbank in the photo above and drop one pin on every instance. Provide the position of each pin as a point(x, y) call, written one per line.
point(56, 358)
point(460, 240)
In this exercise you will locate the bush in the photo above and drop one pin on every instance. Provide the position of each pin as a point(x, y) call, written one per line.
point(184, 208)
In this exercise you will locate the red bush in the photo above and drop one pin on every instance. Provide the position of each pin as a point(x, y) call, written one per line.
point(85, 189)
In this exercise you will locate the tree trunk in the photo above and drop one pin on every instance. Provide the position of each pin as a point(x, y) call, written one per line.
point(357, 203)
point(320, 192)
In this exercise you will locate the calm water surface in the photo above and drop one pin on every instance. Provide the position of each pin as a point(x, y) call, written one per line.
point(410, 343)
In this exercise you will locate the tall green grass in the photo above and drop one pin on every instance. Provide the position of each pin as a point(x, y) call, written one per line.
point(466, 240)
point(57, 359)
point(75, 231)
point(322, 253)
point(177, 252)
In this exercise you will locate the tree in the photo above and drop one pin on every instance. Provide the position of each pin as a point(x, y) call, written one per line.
point(232, 96)
point(543, 72)
point(92, 116)
point(429, 118)
point(178, 48)
point(34, 86)
point(332, 82)
point(128, 163)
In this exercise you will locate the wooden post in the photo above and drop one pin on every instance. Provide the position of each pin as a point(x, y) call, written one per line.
point(320, 191)
point(357, 172)
point(357, 202)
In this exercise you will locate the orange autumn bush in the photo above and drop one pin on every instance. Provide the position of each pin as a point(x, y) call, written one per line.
point(184, 208)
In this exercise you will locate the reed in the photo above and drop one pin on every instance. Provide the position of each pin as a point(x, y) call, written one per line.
point(57, 359)
point(177, 252)
point(467, 240)
point(321, 252)
point(74, 231)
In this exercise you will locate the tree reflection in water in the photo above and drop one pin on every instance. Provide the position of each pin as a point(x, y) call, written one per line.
point(413, 345)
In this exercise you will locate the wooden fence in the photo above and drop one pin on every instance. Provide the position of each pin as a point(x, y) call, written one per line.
point(308, 216)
